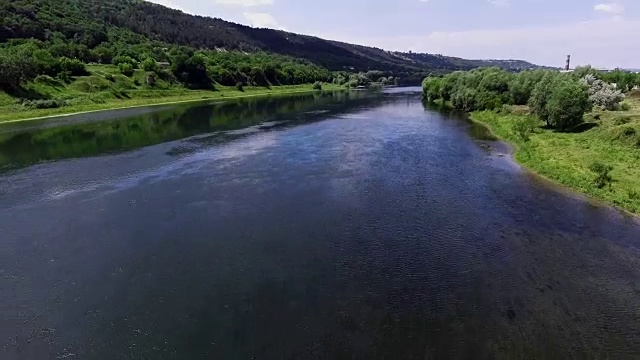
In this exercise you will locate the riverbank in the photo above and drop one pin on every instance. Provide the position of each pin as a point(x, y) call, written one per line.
point(11, 112)
point(608, 137)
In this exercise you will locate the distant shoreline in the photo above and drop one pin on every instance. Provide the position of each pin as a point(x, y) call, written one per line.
point(189, 97)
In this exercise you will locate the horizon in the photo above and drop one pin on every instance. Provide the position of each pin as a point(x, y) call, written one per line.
point(593, 32)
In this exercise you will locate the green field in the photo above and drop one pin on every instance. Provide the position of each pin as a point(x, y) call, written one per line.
point(607, 137)
point(106, 88)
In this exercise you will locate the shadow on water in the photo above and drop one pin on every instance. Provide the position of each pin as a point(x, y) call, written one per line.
point(475, 130)
point(20, 147)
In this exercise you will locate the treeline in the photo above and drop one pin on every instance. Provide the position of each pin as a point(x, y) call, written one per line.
point(559, 99)
point(23, 60)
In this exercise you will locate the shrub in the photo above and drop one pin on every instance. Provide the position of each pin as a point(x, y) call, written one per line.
point(625, 107)
point(149, 64)
point(126, 69)
point(239, 86)
point(43, 104)
point(65, 76)
point(74, 67)
point(603, 176)
point(110, 77)
point(621, 120)
point(524, 127)
point(118, 60)
point(48, 80)
point(317, 85)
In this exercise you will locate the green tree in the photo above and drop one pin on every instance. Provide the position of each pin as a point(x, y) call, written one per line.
point(540, 96)
point(431, 88)
point(16, 67)
point(567, 103)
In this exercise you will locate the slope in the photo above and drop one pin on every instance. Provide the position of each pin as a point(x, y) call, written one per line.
point(95, 21)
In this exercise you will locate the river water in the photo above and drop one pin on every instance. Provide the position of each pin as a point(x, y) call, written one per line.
point(333, 226)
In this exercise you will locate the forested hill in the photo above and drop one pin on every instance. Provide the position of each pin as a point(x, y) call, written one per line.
point(92, 22)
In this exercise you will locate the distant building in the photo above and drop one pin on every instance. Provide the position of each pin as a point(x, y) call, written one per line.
point(567, 66)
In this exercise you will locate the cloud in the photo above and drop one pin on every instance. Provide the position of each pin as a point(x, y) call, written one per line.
point(500, 3)
point(244, 3)
point(612, 8)
point(601, 43)
point(262, 20)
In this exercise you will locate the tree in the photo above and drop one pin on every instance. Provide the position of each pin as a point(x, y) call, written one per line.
point(522, 85)
point(540, 96)
point(602, 94)
point(567, 103)
point(16, 67)
point(431, 88)
point(465, 99)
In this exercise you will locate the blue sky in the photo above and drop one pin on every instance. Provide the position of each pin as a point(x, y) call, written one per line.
point(600, 33)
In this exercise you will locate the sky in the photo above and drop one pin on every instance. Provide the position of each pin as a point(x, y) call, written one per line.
point(601, 34)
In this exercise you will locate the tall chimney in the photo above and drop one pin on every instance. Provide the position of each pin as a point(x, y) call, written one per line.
point(568, 63)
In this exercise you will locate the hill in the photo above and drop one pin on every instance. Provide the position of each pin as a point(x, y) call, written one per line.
point(92, 22)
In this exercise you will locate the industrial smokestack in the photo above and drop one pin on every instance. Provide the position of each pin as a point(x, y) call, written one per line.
point(568, 63)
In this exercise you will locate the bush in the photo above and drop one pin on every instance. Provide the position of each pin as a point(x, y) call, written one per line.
point(110, 77)
point(48, 80)
point(621, 120)
point(523, 128)
point(625, 107)
point(65, 76)
point(74, 67)
point(239, 86)
point(126, 69)
point(118, 60)
point(43, 104)
point(603, 176)
point(149, 64)
point(317, 85)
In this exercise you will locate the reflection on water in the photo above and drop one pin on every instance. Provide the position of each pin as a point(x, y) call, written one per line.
point(349, 227)
point(21, 147)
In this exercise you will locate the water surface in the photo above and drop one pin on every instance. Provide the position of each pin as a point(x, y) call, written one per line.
point(333, 226)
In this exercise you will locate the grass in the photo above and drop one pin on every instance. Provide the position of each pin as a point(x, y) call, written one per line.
point(609, 138)
point(105, 88)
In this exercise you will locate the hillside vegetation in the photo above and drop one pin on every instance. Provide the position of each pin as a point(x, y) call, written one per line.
point(90, 23)
point(578, 129)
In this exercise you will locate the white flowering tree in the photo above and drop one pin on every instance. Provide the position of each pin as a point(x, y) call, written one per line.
point(602, 94)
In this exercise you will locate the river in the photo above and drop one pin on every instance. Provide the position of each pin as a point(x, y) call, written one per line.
point(335, 226)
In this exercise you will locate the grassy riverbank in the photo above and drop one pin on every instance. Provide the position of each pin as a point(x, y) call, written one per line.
point(105, 88)
point(607, 137)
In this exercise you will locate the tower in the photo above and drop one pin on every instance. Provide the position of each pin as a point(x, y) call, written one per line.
point(568, 63)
